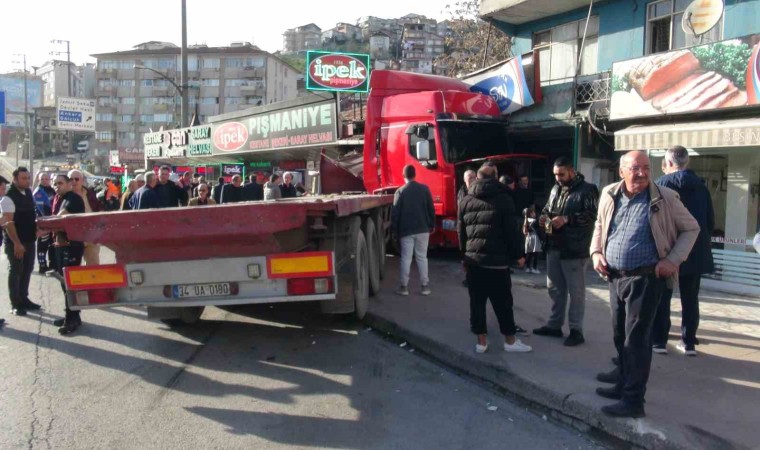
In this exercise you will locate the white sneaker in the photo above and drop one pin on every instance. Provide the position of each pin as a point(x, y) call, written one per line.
point(536, 271)
point(517, 347)
point(528, 270)
point(481, 348)
point(660, 349)
point(688, 351)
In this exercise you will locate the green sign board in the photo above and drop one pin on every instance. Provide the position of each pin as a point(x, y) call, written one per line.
point(337, 72)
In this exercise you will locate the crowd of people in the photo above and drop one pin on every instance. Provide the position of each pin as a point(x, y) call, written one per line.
point(22, 201)
point(643, 236)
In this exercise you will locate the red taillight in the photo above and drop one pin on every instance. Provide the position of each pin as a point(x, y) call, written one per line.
point(310, 286)
point(95, 297)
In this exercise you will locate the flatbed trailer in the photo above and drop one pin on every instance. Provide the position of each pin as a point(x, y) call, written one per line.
point(177, 261)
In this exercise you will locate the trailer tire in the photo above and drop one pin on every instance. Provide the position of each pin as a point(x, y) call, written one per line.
point(361, 276)
point(373, 256)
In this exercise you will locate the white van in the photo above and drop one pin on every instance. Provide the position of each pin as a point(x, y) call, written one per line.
point(83, 146)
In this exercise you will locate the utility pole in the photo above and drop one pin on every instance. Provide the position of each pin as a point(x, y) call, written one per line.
point(184, 109)
point(68, 76)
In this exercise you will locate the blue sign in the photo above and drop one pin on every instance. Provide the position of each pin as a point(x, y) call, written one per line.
point(2, 107)
point(507, 86)
point(70, 116)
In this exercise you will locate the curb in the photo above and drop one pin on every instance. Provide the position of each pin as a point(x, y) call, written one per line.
point(567, 410)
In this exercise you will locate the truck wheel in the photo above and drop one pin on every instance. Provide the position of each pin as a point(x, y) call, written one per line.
point(188, 316)
point(373, 250)
point(361, 276)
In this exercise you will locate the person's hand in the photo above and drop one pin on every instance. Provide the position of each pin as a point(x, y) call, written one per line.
point(665, 269)
point(521, 262)
point(600, 263)
point(19, 250)
point(542, 221)
point(559, 222)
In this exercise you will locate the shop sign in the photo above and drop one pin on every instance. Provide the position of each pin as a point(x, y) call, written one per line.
point(229, 170)
point(131, 155)
point(337, 72)
point(179, 143)
point(719, 75)
point(260, 164)
point(303, 126)
point(113, 157)
point(116, 170)
point(292, 165)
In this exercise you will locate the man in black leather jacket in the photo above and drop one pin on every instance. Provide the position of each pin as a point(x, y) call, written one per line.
point(568, 219)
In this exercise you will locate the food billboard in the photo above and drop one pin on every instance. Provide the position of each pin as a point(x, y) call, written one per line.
point(707, 77)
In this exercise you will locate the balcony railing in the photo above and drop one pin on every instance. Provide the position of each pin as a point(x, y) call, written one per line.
point(592, 88)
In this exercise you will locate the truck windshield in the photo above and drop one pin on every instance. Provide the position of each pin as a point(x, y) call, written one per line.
point(465, 140)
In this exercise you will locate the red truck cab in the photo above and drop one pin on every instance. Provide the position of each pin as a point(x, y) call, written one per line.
point(437, 125)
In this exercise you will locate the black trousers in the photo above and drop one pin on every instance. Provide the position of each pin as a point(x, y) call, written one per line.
point(70, 255)
point(496, 285)
point(20, 273)
point(633, 301)
point(45, 251)
point(531, 260)
point(689, 286)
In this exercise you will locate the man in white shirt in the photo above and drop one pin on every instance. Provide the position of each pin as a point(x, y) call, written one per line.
point(6, 207)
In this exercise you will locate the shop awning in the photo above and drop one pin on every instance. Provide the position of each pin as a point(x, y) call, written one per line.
point(692, 135)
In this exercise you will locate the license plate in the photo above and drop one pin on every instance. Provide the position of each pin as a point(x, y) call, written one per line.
point(201, 290)
point(450, 225)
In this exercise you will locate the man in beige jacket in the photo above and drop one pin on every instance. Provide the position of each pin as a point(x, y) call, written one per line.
point(642, 234)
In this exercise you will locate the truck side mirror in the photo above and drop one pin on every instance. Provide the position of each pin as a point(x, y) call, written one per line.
point(423, 151)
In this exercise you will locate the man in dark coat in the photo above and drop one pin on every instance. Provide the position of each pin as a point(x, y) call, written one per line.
point(488, 237)
point(216, 191)
point(232, 192)
point(696, 198)
point(253, 191)
point(412, 221)
point(288, 189)
point(170, 193)
point(146, 197)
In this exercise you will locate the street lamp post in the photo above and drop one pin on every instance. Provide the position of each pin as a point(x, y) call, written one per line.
point(26, 116)
point(181, 90)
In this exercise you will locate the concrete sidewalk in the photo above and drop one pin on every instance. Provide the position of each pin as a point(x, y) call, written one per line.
point(711, 401)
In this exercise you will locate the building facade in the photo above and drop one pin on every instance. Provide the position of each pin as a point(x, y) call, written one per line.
point(135, 94)
point(301, 39)
point(62, 79)
point(598, 100)
point(420, 47)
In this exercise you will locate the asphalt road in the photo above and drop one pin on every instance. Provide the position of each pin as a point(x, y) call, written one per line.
point(247, 377)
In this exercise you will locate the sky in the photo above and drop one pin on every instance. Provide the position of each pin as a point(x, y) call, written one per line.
point(102, 26)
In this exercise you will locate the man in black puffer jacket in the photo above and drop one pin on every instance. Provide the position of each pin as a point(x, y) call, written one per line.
point(568, 219)
point(490, 241)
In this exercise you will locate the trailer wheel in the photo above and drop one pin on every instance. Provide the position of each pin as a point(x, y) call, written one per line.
point(361, 276)
point(373, 256)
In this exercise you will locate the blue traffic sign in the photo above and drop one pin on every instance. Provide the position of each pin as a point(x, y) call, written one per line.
point(69, 116)
point(2, 107)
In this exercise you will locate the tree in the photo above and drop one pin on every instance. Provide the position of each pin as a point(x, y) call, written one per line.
point(470, 39)
point(295, 61)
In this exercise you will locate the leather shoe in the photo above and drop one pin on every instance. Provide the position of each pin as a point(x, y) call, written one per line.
point(609, 377)
point(575, 338)
point(610, 392)
point(624, 409)
point(31, 306)
point(59, 322)
point(547, 331)
point(70, 326)
point(18, 311)
point(2, 321)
